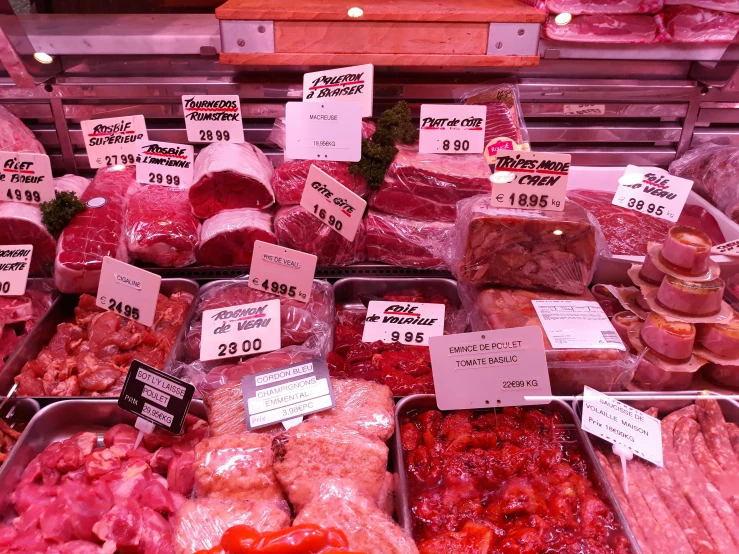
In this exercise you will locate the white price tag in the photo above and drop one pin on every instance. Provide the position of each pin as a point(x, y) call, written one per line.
point(652, 191)
point(129, 291)
point(727, 249)
point(240, 330)
point(324, 131)
point(15, 261)
point(282, 271)
point(164, 163)
point(584, 109)
point(213, 118)
point(332, 203)
point(404, 322)
point(620, 424)
point(450, 129)
point(490, 369)
point(530, 180)
point(346, 84)
point(26, 178)
point(577, 324)
point(112, 141)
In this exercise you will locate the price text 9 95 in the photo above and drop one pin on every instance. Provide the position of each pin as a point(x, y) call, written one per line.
point(407, 337)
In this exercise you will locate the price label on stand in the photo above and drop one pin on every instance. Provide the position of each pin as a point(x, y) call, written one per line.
point(620, 424)
point(164, 163)
point(332, 203)
point(727, 249)
point(584, 109)
point(282, 271)
point(26, 178)
point(286, 393)
point(324, 131)
point(240, 330)
point(490, 369)
point(15, 261)
point(156, 396)
point(577, 324)
point(450, 129)
point(346, 84)
point(652, 191)
point(112, 141)
point(405, 322)
point(531, 180)
point(129, 291)
point(213, 118)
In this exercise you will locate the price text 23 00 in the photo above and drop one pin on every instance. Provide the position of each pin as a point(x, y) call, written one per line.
point(247, 347)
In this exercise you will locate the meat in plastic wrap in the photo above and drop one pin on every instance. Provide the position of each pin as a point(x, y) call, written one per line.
point(199, 524)
point(531, 249)
point(227, 238)
point(160, 229)
point(691, 24)
point(713, 170)
point(606, 369)
point(579, 7)
point(96, 232)
point(339, 503)
point(621, 29)
point(404, 242)
point(71, 183)
point(309, 324)
point(229, 176)
point(15, 136)
point(297, 228)
point(719, 5)
point(428, 186)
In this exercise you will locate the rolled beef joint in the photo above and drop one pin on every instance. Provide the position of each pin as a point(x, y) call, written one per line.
point(228, 238)
point(529, 249)
point(690, 297)
point(672, 339)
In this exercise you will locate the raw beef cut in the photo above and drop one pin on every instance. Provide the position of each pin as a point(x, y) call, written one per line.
point(97, 232)
point(690, 24)
point(428, 186)
point(503, 121)
point(16, 137)
point(627, 232)
point(719, 5)
point(71, 183)
point(229, 176)
point(404, 242)
point(228, 238)
point(624, 29)
point(529, 249)
point(160, 229)
point(297, 228)
point(19, 314)
point(579, 7)
point(288, 179)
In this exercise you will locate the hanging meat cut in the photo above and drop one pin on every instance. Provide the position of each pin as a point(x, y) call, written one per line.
point(624, 29)
point(228, 238)
point(614, 7)
point(229, 176)
point(160, 229)
point(97, 232)
point(691, 24)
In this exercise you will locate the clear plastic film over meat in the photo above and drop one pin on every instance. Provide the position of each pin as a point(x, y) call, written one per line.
point(605, 28)
point(607, 369)
point(719, 5)
point(227, 238)
point(15, 136)
point(579, 7)
point(690, 24)
point(533, 249)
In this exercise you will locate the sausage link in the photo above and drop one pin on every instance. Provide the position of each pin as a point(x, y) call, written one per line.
point(734, 437)
point(713, 426)
point(713, 472)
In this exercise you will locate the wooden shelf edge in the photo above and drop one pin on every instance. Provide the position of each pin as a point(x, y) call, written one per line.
point(407, 60)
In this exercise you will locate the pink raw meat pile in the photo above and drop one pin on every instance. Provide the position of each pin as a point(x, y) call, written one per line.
point(79, 498)
point(19, 314)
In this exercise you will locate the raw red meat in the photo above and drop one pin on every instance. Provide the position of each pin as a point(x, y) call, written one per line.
point(578, 7)
point(428, 186)
point(627, 232)
point(97, 232)
point(228, 238)
point(406, 242)
point(503, 122)
point(297, 228)
point(15, 136)
point(720, 5)
point(19, 314)
point(288, 179)
point(160, 229)
point(229, 176)
point(624, 29)
point(691, 24)
point(91, 356)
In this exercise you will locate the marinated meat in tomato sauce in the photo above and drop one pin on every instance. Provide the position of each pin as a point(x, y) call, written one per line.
point(515, 482)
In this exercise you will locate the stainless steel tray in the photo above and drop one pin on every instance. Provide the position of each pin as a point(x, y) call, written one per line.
point(60, 311)
point(59, 421)
point(428, 401)
point(347, 291)
point(19, 410)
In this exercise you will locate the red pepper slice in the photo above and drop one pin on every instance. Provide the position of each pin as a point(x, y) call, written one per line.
point(301, 539)
point(239, 539)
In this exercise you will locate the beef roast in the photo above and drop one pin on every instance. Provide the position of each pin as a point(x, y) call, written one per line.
point(16, 137)
point(96, 232)
point(691, 24)
point(288, 179)
point(229, 176)
point(624, 29)
point(530, 249)
point(228, 237)
point(160, 229)
point(720, 5)
point(503, 120)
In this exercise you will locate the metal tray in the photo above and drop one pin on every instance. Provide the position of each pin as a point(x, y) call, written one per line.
point(59, 421)
point(597, 477)
point(59, 312)
point(19, 410)
point(347, 291)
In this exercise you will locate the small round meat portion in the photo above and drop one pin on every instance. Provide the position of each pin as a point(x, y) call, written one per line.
point(672, 339)
point(688, 249)
point(650, 272)
point(720, 338)
point(657, 377)
point(691, 298)
point(726, 375)
point(622, 322)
